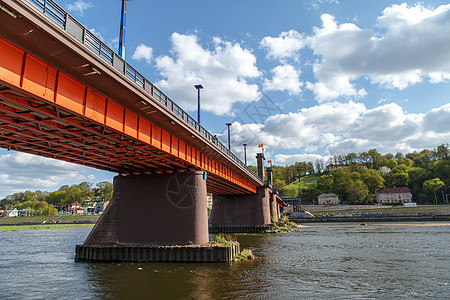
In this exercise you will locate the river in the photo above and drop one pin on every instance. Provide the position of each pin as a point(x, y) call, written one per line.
point(321, 261)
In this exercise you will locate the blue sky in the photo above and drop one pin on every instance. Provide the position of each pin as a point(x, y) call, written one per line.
point(309, 79)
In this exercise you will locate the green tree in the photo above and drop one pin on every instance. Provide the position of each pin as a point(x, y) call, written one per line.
point(103, 191)
point(37, 207)
point(433, 185)
point(372, 179)
point(325, 183)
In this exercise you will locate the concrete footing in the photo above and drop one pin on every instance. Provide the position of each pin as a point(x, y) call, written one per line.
point(201, 253)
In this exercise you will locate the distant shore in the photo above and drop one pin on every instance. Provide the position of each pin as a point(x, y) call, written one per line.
point(405, 218)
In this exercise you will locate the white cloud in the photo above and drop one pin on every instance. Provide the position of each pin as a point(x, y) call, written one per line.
point(287, 160)
point(223, 72)
point(412, 45)
point(79, 7)
point(22, 171)
point(143, 52)
point(340, 128)
point(287, 44)
point(285, 78)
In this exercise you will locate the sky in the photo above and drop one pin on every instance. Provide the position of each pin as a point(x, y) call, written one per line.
point(309, 79)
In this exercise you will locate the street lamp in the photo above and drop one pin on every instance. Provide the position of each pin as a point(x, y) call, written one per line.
point(245, 153)
point(229, 144)
point(198, 87)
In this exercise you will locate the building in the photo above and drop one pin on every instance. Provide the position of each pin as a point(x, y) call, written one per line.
point(393, 195)
point(328, 199)
point(209, 201)
point(100, 207)
point(11, 213)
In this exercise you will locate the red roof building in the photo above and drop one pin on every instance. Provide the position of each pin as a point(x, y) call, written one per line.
point(393, 195)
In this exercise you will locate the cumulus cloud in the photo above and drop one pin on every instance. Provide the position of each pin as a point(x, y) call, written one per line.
point(289, 159)
point(412, 45)
point(22, 171)
point(340, 128)
point(223, 71)
point(287, 44)
point(143, 52)
point(79, 7)
point(285, 78)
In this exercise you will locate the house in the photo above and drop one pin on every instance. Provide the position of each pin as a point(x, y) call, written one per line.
point(328, 199)
point(11, 213)
point(100, 207)
point(76, 208)
point(209, 201)
point(393, 195)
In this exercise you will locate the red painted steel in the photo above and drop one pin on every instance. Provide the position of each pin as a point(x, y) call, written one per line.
point(46, 112)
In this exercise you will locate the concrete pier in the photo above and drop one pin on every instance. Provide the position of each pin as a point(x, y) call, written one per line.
point(155, 218)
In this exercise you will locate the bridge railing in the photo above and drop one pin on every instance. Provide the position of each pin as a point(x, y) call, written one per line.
point(82, 34)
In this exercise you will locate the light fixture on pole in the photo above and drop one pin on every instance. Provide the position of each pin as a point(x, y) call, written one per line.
point(123, 26)
point(245, 153)
point(229, 144)
point(198, 87)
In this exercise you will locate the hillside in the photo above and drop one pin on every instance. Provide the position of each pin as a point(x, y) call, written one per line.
point(292, 190)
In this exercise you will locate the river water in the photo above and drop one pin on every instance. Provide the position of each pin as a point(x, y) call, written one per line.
point(322, 261)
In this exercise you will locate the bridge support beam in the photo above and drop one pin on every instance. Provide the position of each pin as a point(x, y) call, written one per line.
point(154, 210)
point(242, 210)
point(274, 210)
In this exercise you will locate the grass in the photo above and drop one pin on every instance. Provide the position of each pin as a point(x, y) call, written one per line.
point(426, 209)
point(43, 227)
point(283, 225)
point(245, 254)
point(303, 183)
point(41, 219)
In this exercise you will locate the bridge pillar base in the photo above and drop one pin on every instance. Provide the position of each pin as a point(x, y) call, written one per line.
point(161, 210)
point(274, 210)
point(241, 210)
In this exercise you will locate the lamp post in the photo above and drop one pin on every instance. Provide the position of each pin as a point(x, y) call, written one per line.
point(245, 153)
point(229, 144)
point(198, 87)
point(123, 25)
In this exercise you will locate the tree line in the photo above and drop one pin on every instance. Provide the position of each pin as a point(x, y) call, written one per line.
point(355, 177)
point(41, 202)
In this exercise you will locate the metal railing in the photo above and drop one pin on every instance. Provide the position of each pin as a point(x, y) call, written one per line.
point(74, 28)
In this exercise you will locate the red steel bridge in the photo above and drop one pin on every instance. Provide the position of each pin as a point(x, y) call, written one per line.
point(64, 94)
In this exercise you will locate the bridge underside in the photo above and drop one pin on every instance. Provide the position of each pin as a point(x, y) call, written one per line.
point(41, 113)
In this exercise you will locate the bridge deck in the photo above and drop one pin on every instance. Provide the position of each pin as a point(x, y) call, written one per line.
point(60, 99)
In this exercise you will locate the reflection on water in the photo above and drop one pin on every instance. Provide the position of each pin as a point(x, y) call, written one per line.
point(320, 261)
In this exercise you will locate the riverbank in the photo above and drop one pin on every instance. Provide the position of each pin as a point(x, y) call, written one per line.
point(372, 213)
point(363, 219)
point(42, 227)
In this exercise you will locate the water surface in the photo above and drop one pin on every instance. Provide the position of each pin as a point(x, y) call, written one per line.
point(322, 261)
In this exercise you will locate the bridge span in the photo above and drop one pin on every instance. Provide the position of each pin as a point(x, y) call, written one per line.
point(64, 94)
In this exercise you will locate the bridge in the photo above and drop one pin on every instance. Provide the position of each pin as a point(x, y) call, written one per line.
point(66, 95)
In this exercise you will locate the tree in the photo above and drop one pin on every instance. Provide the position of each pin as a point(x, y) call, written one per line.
point(443, 152)
point(372, 179)
point(433, 185)
point(325, 183)
point(37, 207)
point(103, 191)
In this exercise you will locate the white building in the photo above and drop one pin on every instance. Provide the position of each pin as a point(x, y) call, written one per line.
point(393, 195)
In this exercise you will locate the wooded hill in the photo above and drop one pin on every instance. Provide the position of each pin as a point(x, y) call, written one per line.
point(355, 177)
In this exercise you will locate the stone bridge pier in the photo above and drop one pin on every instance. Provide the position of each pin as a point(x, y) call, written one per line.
point(246, 213)
point(160, 217)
